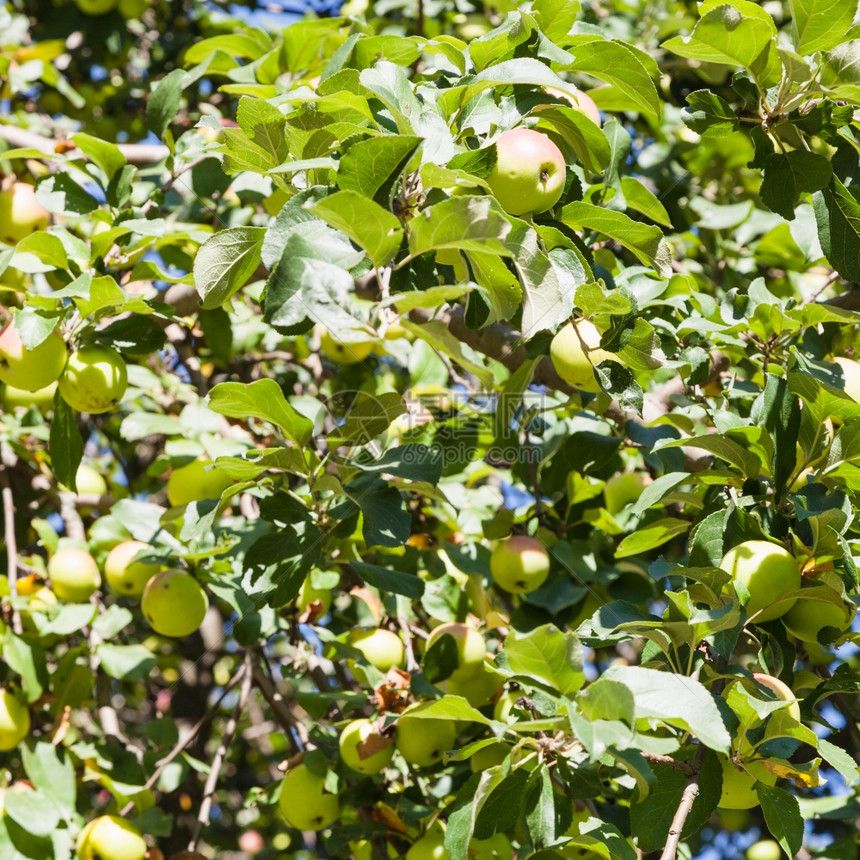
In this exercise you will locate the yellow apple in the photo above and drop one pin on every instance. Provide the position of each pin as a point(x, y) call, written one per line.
point(579, 101)
point(739, 783)
point(575, 352)
point(807, 618)
point(344, 353)
point(20, 213)
point(470, 646)
point(520, 564)
point(174, 603)
point(850, 376)
point(422, 741)
point(123, 574)
point(42, 398)
point(781, 690)
point(195, 482)
point(74, 574)
point(110, 837)
point(14, 721)
point(94, 380)
point(305, 803)
point(364, 750)
point(766, 571)
point(30, 369)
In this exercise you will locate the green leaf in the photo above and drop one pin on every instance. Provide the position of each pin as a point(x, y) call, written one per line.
point(369, 225)
point(470, 223)
point(126, 662)
point(620, 66)
point(439, 336)
point(264, 125)
point(106, 156)
point(676, 700)
point(50, 769)
point(782, 816)
point(651, 536)
point(32, 811)
point(414, 462)
point(726, 449)
point(709, 115)
point(787, 175)
point(65, 445)
point(390, 581)
point(225, 263)
point(261, 399)
point(837, 214)
point(26, 657)
point(386, 520)
point(725, 35)
point(449, 708)
point(819, 25)
point(371, 168)
point(62, 195)
point(546, 655)
point(645, 242)
point(164, 101)
point(651, 818)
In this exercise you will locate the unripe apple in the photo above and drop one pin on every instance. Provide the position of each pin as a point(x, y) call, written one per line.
point(497, 847)
point(520, 564)
point(89, 481)
point(431, 846)
point(344, 353)
point(489, 756)
point(579, 101)
point(807, 618)
point(624, 488)
point(422, 742)
point(95, 7)
point(304, 802)
point(42, 398)
point(767, 571)
point(110, 837)
point(529, 174)
point(132, 8)
point(308, 595)
point(14, 721)
point(739, 784)
point(195, 482)
point(850, 376)
point(74, 574)
point(781, 690)
point(575, 352)
point(174, 603)
point(364, 750)
point(381, 648)
point(126, 576)
point(764, 849)
point(471, 649)
point(20, 213)
point(30, 369)
point(94, 380)
point(476, 689)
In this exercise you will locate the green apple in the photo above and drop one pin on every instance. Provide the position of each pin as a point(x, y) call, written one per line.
point(850, 377)
point(126, 576)
point(130, 9)
point(305, 803)
point(14, 721)
point(781, 690)
point(808, 618)
point(42, 398)
point(320, 598)
point(94, 380)
point(764, 849)
point(431, 846)
point(575, 352)
point(95, 7)
point(174, 603)
point(489, 756)
point(471, 649)
point(497, 847)
point(20, 213)
point(74, 574)
point(344, 353)
point(30, 369)
point(476, 689)
point(520, 564)
point(766, 571)
point(364, 750)
point(579, 101)
point(739, 783)
point(195, 482)
point(624, 488)
point(422, 742)
point(110, 837)
point(89, 481)
point(381, 648)
point(529, 174)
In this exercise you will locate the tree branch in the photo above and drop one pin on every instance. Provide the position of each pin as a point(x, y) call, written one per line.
point(691, 792)
point(139, 154)
point(11, 544)
point(221, 754)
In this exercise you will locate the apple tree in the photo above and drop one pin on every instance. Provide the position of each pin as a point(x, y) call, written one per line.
point(434, 437)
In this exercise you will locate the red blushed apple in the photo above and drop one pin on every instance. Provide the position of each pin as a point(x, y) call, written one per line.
point(529, 174)
point(20, 213)
point(578, 100)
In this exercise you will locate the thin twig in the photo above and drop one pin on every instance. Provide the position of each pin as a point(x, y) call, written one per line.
point(187, 739)
point(221, 754)
point(691, 792)
point(11, 544)
point(685, 767)
point(295, 731)
point(411, 663)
